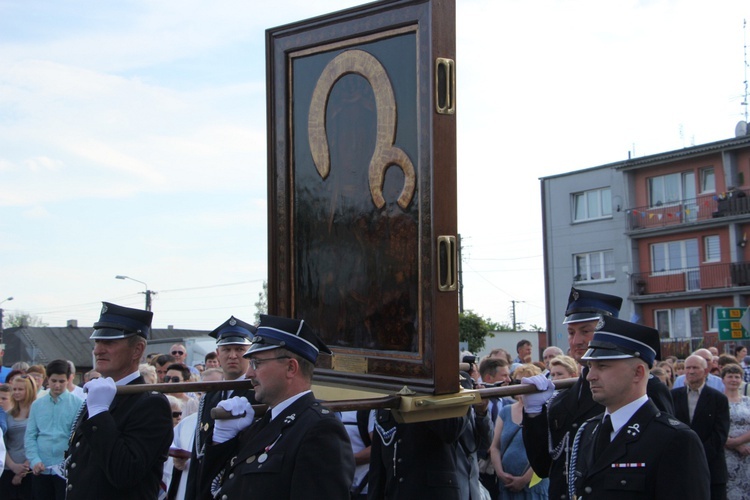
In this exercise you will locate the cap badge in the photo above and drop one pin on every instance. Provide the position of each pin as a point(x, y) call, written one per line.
point(104, 309)
point(575, 295)
point(232, 322)
point(599, 324)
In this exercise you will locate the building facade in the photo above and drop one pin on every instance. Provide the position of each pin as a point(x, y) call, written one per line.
point(667, 232)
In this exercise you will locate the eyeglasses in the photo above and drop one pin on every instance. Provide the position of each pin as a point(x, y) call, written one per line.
point(167, 380)
point(176, 414)
point(254, 362)
point(178, 353)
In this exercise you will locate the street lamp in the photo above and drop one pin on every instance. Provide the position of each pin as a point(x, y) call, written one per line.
point(1, 319)
point(148, 292)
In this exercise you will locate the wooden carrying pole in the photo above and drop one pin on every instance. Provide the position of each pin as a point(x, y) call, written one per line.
point(391, 401)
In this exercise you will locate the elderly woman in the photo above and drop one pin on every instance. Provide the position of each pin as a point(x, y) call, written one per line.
point(508, 452)
point(737, 447)
point(562, 366)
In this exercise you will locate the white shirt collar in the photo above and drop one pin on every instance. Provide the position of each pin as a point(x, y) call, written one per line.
point(624, 414)
point(127, 379)
point(276, 410)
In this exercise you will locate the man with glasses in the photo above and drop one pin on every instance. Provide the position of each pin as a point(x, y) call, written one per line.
point(119, 442)
point(299, 449)
point(232, 341)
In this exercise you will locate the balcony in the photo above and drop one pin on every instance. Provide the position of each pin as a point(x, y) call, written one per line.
point(704, 277)
point(709, 206)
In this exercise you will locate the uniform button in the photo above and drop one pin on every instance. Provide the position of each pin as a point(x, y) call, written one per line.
point(624, 482)
point(224, 497)
point(575, 425)
point(78, 444)
point(70, 487)
point(400, 460)
point(401, 480)
point(94, 428)
point(231, 476)
point(587, 489)
point(73, 465)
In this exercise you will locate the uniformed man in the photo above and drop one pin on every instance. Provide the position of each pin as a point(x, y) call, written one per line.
point(548, 429)
point(299, 449)
point(119, 443)
point(632, 450)
point(232, 341)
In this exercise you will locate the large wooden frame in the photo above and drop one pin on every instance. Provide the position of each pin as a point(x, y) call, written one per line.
point(362, 190)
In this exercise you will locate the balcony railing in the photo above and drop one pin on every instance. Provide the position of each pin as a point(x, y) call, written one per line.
point(704, 207)
point(704, 277)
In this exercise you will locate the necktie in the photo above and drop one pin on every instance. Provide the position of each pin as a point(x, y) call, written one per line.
point(264, 420)
point(602, 436)
point(495, 403)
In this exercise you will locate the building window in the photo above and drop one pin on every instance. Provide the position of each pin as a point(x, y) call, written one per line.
point(679, 323)
point(712, 248)
point(664, 190)
point(674, 256)
point(708, 180)
point(594, 266)
point(594, 204)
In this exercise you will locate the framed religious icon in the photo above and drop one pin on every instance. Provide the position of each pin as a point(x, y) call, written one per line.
point(362, 191)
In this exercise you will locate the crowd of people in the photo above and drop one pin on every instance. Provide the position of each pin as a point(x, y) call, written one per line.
point(629, 418)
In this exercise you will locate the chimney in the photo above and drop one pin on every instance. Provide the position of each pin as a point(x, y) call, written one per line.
point(72, 323)
point(170, 327)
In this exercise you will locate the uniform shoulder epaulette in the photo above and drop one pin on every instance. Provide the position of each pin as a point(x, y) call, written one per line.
point(670, 420)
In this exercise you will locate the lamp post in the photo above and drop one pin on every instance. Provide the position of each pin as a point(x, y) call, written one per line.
point(148, 292)
point(1, 318)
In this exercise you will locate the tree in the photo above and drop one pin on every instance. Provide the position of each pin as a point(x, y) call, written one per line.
point(261, 307)
point(14, 319)
point(473, 328)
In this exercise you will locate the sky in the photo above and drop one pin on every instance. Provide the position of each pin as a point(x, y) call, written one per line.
point(132, 139)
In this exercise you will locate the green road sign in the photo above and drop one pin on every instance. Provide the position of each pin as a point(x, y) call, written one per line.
point(734, 323)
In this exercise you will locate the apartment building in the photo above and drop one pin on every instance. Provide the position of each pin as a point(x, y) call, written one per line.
point(667, 232)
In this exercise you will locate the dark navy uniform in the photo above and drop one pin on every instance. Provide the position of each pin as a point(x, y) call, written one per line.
point(304, 452)
point(232, 332)
point(654, 456)
point(416, 460)
point(121, 453)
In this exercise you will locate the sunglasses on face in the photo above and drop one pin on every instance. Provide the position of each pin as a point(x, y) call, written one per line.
point(176, 414)
point(178, 353)
point(168, 380)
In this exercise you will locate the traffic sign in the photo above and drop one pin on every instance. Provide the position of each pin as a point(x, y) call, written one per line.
point(733, 322)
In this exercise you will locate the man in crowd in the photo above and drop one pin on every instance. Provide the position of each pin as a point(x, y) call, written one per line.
point(632, 450)
point(233, 338)
point(47, 432)
point(299, 449)
point(523, 351)
point(549, 429)
point(711, 380)
point(211, 360)
point(120, 442)
point(74, 389)
point(706, 411)
point(161, 363)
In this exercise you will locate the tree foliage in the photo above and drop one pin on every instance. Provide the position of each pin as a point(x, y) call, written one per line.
point(261, 307)
point(474, 329)
point(20, 318)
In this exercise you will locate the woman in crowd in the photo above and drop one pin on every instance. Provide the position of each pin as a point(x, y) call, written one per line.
point(15, 483)
point(679, 368)
point(148, 372)
point(562, 366)
point(666, 366)
point(179, 373)
point(517, 479)
point(737, 447)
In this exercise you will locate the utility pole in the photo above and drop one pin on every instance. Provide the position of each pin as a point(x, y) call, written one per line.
point(148, 292)
point(514, 302)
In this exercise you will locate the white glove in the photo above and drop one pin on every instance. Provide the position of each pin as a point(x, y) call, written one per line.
point(100, 393)
point(226, 429)
point(532, 403)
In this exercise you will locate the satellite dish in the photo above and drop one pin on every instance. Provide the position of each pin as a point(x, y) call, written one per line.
point(741, 129)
